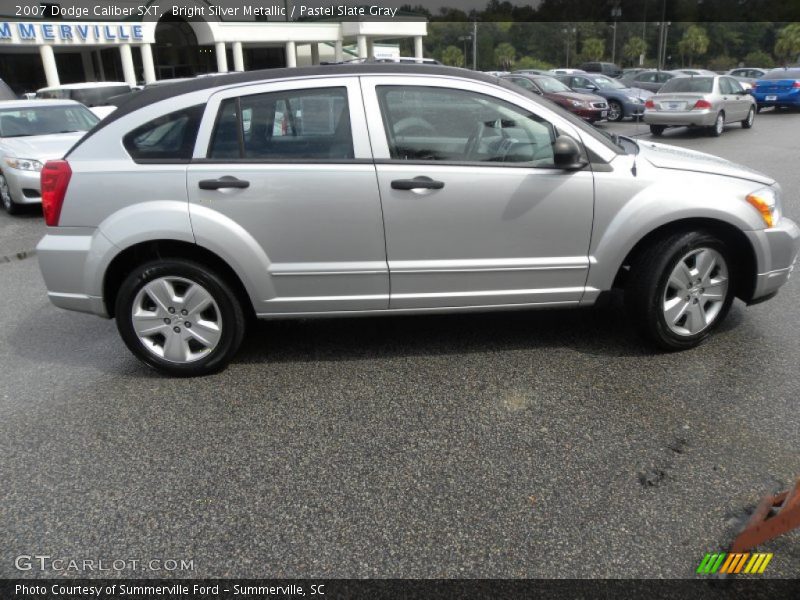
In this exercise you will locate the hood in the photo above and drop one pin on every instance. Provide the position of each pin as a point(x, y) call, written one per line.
point(581, 97)
point(42, 147)
point(638, 92)
point(673, 157)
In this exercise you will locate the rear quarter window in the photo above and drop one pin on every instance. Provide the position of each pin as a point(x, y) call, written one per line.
point(169, 138)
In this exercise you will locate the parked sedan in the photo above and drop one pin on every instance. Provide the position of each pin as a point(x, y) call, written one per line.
point(700, 102)
point(31, 133)
point(779, 88)
point(455, 191)
point(747, 75)
point(623, 101)
point(591, 107)
point(93, 94)
point(650, 80)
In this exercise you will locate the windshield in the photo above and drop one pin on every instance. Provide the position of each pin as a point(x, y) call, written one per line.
point(45, 120)
point(702, 85)
point(604, 83)
point(550, 84)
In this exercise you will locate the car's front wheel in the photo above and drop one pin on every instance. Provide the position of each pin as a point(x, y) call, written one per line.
point(9, 205)
point(615, 111)
point(179, 317)
point(680, 289)
point(751, 117)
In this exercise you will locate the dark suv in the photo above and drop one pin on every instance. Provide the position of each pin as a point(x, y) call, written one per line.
point(605, 68)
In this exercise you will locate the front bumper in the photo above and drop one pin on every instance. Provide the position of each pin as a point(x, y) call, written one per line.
point(683, 118)
point(25, 186)
point(591, 114)
point(633, 109)
point(776, 253)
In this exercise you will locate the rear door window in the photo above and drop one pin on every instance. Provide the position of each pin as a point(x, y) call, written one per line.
point(309, 124)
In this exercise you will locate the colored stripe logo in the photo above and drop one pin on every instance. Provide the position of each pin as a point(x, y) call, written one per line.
point(734, 563)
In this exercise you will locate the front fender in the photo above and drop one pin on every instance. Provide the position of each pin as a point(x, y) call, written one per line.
point(626, 212)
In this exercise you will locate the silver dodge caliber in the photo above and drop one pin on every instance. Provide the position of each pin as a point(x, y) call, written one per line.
point(388, 189)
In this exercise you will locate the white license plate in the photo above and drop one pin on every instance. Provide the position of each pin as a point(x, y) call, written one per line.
point(770, 98)
point(603, 114)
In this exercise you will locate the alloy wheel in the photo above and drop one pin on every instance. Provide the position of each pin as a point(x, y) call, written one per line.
point(719, 124)
point(696, 291)
point(614, 110)
point(176, 319)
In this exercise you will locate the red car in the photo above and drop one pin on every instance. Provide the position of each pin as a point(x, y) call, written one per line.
point(587, 106)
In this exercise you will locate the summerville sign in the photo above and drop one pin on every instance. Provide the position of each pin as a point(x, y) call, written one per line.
point(70, 32)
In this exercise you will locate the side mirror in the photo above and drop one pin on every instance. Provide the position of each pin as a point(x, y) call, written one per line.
point(567, 154)
point(592, 87)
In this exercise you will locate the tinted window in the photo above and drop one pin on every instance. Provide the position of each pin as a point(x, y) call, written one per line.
point(169, 137)
point(298, 124)
point(439, 124)
point(702, 85)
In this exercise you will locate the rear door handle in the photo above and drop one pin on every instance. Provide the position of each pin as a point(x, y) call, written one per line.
point(223, 182)
point(418, 183)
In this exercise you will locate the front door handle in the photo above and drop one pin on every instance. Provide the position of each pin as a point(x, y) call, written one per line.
point(418, 183)
point(223, 182)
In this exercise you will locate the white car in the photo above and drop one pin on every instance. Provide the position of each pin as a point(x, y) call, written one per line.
point(31, 133)
point(94, 94)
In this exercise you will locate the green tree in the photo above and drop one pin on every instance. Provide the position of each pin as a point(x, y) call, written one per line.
point(593, 48)
point(758, 58)
point(787, 47)
point(528, 62)
point(504, 56)
point(633, 49)
point(694, 43)
point(453, 56)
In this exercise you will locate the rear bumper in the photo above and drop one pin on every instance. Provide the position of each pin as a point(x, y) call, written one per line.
point(785, 99)
point(68, 260)
point(685, 118)
point(776, 253)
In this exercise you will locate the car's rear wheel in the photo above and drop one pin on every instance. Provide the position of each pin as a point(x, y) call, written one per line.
point(9, 205)
point(751, 117)
point(179, 317)
point(615, 111)
point(680, 289)
point(657, 129)
point(719, 125)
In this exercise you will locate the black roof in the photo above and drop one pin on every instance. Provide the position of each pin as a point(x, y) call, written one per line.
point(155, 94)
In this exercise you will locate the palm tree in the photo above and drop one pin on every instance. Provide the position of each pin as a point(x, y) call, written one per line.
point(694, 43)
point(593, 48)
point(453, 56)
point(788, 45)
point(633, 49)
point(504, 56)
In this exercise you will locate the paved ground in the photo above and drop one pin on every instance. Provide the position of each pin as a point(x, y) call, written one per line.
point(507, 445)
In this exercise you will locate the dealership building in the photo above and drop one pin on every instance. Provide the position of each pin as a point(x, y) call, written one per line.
point(53, 45)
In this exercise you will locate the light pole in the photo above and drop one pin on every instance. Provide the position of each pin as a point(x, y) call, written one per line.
point(616, 13)
point(567, 31)
point(465, 39)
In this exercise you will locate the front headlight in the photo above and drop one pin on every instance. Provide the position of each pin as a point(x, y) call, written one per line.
point(24, 164)
point(768, 203)
point(576, 103)
point(635, 99)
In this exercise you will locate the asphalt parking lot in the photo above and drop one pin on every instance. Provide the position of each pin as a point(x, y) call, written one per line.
point(537, 444)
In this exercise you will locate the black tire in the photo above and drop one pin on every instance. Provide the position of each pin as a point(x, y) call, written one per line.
point(615, 108)
point(715, 130)
point(648, 281)
point(7, 199)
point(231, 316)
point(657, 130)
point(750, 119)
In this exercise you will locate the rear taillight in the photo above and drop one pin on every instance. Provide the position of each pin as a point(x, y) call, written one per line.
point(649, 104)
point(796, 84)
point(700, 104)
point(55, 179)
